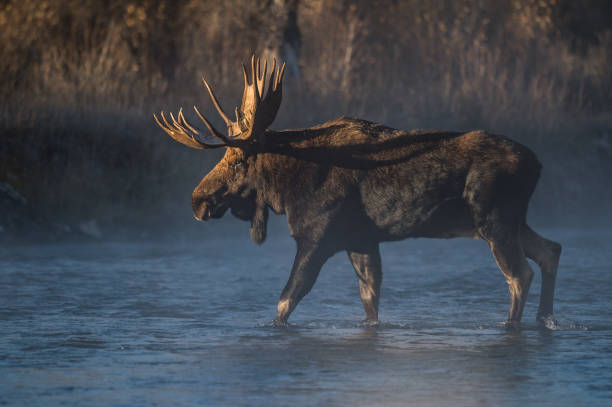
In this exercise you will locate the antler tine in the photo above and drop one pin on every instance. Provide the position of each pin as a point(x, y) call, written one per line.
point(279, 77)
point(164, 127)
point(261, 78)
point(215, 132)
point(254, 78)
point(244, 73)
point(178, 133)
point(216, 103)
point(181, 129)
point(181, 118)
point(168, 126)
point(178, 126)
point(160, 124)
point(271, 80)
point(272, 72)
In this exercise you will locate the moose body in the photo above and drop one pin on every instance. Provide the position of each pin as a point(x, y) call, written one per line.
point(350, 184)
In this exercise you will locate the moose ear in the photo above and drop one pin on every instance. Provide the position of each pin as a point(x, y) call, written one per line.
point(259, 223)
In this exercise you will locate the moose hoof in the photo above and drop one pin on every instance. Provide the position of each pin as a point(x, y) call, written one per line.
point(543, 316)
point(280, 323)
point(370, 323)
point(511, 325)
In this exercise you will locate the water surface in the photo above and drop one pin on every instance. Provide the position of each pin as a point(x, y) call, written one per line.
point(188, 323)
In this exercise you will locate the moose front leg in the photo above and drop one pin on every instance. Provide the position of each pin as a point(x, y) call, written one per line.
point(369, 271)
point(308, 262)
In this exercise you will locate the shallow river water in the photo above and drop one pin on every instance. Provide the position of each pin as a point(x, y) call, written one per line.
point(189, 323)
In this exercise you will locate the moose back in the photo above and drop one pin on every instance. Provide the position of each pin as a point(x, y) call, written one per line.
point(350, 184)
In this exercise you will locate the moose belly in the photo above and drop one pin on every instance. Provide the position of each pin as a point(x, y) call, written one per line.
point(446, 219)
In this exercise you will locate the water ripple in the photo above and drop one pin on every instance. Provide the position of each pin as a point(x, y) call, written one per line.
point(153, 323)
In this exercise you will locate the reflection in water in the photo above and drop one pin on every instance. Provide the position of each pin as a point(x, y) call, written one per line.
point(142, 324)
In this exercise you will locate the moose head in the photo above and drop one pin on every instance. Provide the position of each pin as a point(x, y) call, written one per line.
point(227, 185)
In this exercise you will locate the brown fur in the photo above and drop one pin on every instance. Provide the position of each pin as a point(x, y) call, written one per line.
point(350, 184)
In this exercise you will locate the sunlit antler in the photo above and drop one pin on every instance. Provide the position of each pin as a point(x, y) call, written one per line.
point(257, 111)
point(216, 103)
point(259, 107)
point(181, 131)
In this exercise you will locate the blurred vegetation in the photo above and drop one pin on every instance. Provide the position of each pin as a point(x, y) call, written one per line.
point(80, 80)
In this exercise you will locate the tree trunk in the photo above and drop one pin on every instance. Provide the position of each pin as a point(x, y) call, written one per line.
point(284, 39)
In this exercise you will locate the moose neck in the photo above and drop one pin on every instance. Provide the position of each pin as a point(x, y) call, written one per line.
point(275, 172)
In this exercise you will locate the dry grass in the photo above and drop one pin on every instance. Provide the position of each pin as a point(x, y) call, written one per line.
point(81, 79)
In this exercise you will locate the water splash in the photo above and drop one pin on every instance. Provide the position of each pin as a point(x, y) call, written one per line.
point(562, 324)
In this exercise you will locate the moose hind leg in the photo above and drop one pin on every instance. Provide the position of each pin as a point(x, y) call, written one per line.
point(367, 265)
point(546, 254)
point(308, 262)
point(510, 257)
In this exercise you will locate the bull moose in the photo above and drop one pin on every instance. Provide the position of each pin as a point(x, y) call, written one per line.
point(351, 184)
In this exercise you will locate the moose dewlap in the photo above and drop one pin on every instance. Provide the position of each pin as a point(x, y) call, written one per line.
point(349, 184)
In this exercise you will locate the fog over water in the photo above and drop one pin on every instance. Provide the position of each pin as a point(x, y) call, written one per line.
point(189, 323)
point(110, 293)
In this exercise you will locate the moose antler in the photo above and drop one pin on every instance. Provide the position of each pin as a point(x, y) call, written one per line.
point(259, 107)
point(185, 133)
point(257, 111)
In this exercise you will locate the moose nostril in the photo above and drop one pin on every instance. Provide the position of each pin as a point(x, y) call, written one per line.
point(199, 208)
